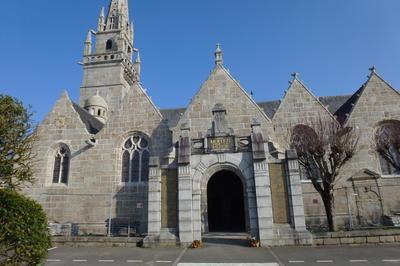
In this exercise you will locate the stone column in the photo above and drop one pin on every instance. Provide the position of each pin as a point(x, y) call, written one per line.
point(262, 185)
point(185, 215)
point(296, 205)
point(154, 212)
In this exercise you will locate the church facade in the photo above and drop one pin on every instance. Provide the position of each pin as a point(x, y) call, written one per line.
point(114, 160)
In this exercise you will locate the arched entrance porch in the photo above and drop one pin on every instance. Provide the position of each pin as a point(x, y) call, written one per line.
point(226, 203)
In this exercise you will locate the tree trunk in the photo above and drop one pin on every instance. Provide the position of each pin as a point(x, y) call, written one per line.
point(327, 198)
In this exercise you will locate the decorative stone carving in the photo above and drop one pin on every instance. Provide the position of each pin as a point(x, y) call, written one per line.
point(219, 125)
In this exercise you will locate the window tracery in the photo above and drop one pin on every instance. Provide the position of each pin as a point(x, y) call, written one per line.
point(135, 160)
point(61, 165)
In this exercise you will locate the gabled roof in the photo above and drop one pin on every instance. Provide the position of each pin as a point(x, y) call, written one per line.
point(93, 125)
point(332, 103)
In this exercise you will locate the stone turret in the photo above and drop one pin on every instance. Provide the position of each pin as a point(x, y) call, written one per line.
point(97, 107)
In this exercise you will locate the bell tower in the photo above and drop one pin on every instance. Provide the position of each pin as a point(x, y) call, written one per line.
point(108, 67)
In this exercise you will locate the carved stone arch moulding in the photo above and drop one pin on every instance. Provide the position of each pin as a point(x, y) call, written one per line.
point(205, 169)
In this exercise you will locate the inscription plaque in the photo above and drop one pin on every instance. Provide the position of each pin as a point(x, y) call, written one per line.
point(221, 144)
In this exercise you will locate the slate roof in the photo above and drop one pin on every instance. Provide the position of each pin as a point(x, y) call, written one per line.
point(332, 103)
point(172, 116)
point(269, 107)
point(92, 124)
point(344, 111)
point(337, 105)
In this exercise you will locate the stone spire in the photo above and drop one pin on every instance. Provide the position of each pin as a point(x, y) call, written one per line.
point(118, 15)
point(101, 24)
point(88, 43)
point(138, 65)
point(218, 55)
point(132, 33)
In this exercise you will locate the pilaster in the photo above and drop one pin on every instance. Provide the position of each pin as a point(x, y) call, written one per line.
point(185, 188)
point(154, 212)
point(262, 185)
point(296, 205)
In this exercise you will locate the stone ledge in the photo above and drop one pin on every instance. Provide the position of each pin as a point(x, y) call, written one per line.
point(379, 236)
point(97, 241)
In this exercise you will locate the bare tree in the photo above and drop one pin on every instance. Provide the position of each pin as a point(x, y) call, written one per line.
point(387, 142)
point(323, 147)
point(16, 142)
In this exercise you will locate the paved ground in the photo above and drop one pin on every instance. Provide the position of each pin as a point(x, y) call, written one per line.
point(228, 252)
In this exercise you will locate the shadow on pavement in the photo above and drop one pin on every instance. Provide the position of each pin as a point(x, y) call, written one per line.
point(229, 239)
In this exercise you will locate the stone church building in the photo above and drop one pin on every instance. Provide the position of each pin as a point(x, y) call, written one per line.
point(115, 161)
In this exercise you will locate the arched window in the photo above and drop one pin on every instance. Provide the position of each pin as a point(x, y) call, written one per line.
point(387, 138)
point(135, 159)
point(109, 45)
point(61, 165)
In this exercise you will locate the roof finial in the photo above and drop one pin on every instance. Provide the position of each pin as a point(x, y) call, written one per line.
point(218, 55)
point(372, 69)
point(295, 75)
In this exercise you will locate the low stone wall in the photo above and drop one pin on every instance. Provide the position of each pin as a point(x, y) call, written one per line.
point(96, 241)
point(359, 237)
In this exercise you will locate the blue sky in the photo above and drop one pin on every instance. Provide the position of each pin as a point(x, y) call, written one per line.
point(331, 43)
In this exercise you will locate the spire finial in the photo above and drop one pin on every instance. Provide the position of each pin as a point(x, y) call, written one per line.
point(372, 69)
point(218, 55)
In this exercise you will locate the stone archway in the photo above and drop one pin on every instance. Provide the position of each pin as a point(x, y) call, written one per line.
point(225, 203)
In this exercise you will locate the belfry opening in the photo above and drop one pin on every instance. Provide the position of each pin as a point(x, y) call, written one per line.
point(225, 203)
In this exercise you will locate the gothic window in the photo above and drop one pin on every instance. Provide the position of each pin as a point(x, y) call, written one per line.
point(135, 160)
point(61, 165)
point(387, 138)
point(109, 45)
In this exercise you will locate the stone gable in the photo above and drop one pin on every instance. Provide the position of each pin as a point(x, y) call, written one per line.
point(377, 101)
point(220, 87)
point(298, 106)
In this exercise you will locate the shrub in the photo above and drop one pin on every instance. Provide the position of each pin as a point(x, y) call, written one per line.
point(24, 236)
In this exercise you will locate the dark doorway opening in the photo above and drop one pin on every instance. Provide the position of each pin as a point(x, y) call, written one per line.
point(225, 202)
